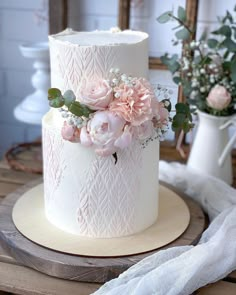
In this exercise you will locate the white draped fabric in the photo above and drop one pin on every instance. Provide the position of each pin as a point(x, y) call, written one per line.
point(182, 270)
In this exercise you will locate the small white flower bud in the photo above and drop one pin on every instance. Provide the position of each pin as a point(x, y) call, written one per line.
point(64, 114)
point(202, 89)
point(70, 121)
point(192, 44)
point(115, 81)
point(167, 103)
point(123, 77)
point(117, 95)
point(202, 71)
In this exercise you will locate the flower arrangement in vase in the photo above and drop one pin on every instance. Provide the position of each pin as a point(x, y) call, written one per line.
point(206, 71)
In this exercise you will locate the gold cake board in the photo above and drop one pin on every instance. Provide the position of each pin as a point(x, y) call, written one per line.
point(29, 218)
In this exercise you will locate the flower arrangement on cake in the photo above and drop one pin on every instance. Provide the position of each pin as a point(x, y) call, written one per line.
point(108, 115)
point(206, 69)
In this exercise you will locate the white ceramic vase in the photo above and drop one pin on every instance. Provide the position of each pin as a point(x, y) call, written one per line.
point(35, 105)
point(210, 152)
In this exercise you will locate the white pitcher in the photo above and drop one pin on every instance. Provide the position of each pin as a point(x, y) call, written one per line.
point(211, 150)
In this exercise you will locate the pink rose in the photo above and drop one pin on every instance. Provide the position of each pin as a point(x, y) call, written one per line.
point(161, 114)
point(134, 102)
point(96, 95)
point(85, 137)
point(70, 132)
point(218, 98)
point(144, 131)
point(125, 139)
point(102, 132)
point(164, 116)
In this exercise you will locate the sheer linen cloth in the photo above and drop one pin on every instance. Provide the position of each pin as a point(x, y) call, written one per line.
point(182, 270)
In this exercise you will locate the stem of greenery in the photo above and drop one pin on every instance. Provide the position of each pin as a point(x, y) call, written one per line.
point(181, 23)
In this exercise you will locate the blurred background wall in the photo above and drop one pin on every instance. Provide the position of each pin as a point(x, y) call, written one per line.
point(20, 21)
point(27, 21)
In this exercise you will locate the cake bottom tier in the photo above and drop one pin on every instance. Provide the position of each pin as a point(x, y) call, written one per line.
point(91, 196)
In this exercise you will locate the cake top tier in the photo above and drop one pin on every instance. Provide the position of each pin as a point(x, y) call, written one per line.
point(100, 38)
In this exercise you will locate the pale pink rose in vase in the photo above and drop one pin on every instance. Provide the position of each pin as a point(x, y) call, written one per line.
point(218, 98)
point(102, 131)
point(70, 132)
point(97, 95)
point(134, 102)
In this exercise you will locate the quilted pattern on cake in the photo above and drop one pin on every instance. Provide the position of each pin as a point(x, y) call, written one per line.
point(107, 199)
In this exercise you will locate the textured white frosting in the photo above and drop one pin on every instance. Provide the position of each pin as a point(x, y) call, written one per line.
point(86, 194)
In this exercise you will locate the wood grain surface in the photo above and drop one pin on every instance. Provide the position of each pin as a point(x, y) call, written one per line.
point(75, 267)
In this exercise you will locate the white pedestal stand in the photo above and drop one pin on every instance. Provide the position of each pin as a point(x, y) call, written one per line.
point(35, 105)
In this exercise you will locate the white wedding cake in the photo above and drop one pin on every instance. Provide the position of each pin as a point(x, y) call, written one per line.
point(100, 183)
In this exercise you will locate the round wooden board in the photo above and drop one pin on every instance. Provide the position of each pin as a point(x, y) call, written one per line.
point(30, 219)
point(79, 268)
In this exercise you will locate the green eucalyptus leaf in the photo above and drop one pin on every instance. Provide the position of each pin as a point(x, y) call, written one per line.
point(212, 43)
point(179, 118)
point(164, 59)
point(229, 44)
point(177, 80)
point(207, 60)
point(174, 58)
point(174, 67)
point(56, 102)
point(69, 97)
point(229, 17)
point(182, 108)
point(203, 36)
point(234, 32)
point(224, 30)
point(53, 93)
point(233, 69)
point(165, 17)
point(186, 127)
point(79, 109)
point(86, 111)
point(187, 88)
point(226, 65)
point(226, 54)
point(171, 62)
point(182, 34)
point(175, 126)
point(181, 14)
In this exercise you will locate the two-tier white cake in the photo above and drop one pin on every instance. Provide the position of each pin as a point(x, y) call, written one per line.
point(86, 194)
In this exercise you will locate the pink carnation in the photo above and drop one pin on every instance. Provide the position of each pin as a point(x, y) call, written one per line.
point(70, 132)
point(218, 98)
point(134, 102)
point(96, 95)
